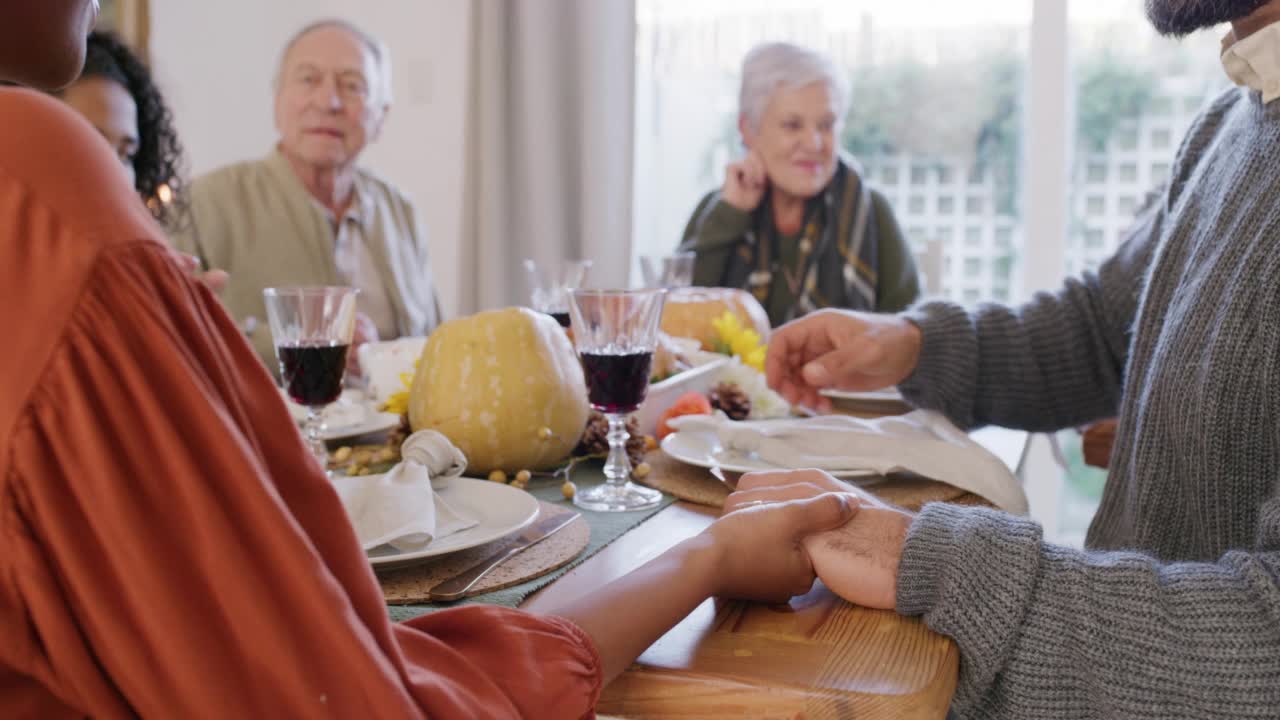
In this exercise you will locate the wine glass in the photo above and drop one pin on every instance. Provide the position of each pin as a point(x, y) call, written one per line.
point(550, 285)
point(676, 270)
point(616, 332)
point(312, 328)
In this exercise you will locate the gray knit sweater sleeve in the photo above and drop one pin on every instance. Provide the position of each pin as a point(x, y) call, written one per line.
point(1055, 362)
point(1049, 632)
point(1173, 611)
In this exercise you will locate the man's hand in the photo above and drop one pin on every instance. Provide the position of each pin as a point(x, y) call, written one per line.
point(366, 332)
point(215, 280)
point(842, 350)
point(759, 547)
point(793, 485)
point(859, 560)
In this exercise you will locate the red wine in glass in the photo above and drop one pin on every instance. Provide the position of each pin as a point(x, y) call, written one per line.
point(561, 317)
point(617, 383)
point(312, 371)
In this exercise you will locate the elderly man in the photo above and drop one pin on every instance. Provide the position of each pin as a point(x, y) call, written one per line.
point(306, 214)
point(1173, 608)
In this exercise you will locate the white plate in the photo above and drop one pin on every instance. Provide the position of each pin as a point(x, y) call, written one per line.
point(704, 450)
point(380, 422)
point(501, 510)
point(352, 415)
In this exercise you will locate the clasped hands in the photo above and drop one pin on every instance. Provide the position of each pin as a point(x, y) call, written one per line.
point(846, 537)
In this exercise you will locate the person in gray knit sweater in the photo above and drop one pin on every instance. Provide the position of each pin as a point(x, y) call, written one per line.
point(1173, 608)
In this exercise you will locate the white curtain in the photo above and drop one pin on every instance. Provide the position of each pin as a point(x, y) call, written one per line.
point(549, 155)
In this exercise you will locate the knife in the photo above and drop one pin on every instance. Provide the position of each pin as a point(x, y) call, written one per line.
point(458, 585)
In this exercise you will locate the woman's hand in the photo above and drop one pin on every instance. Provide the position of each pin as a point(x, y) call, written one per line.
point(793, 485)
point(745, 181)
point(758, 549)
point(859, 560)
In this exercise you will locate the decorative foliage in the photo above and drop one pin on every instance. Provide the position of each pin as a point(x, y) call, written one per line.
point(739, 341)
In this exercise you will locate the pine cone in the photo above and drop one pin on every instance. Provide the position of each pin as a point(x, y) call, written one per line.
point(731, 400)
point(595, 438)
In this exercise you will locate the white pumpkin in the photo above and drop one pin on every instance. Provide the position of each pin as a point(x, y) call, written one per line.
point(505, 386)
point(689, 313)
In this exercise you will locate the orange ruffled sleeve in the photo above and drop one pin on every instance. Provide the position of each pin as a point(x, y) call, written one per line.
point(168, 548)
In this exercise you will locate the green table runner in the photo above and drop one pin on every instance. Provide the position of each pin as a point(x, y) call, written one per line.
point(605, 528)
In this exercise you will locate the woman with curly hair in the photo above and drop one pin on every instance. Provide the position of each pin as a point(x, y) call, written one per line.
point(117, 95)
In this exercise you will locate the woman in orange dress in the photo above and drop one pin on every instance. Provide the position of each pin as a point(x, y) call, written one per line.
point(167, 550)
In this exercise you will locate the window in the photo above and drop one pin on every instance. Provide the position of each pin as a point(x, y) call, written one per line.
point(1001, 270)
point(972, 268)
point(1004, 238)
point(941, 104)
point(972, 295)
point(916, 233)
point(973, 236)
point(1093, 238)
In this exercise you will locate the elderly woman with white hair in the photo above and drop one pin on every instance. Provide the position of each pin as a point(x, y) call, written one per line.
point(794, 223)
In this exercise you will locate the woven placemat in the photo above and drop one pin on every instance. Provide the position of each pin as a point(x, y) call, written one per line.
point(410, 585)
point(697, 485)
point(687, 482)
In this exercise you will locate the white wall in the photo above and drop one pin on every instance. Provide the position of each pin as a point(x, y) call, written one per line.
point(216, 60)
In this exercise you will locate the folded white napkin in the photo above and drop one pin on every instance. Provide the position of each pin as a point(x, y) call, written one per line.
point(923, 442)
point(382, 364)
point(400, 508)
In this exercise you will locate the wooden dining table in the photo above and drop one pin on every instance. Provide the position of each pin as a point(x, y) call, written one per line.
point(816, 657)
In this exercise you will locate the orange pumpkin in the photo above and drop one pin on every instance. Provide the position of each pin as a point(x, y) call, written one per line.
point(689, 312)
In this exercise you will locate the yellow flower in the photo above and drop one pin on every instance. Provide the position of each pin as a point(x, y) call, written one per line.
point(398, 403)
point(735, 339)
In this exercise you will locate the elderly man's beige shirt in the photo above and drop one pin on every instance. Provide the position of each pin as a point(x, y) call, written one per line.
point(257, 221)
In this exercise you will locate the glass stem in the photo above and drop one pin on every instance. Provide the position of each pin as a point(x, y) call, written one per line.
point(617, 469)
point(312, 428)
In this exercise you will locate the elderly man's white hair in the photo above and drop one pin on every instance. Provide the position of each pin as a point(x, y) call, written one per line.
point(380, 86)
point(772, 67)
